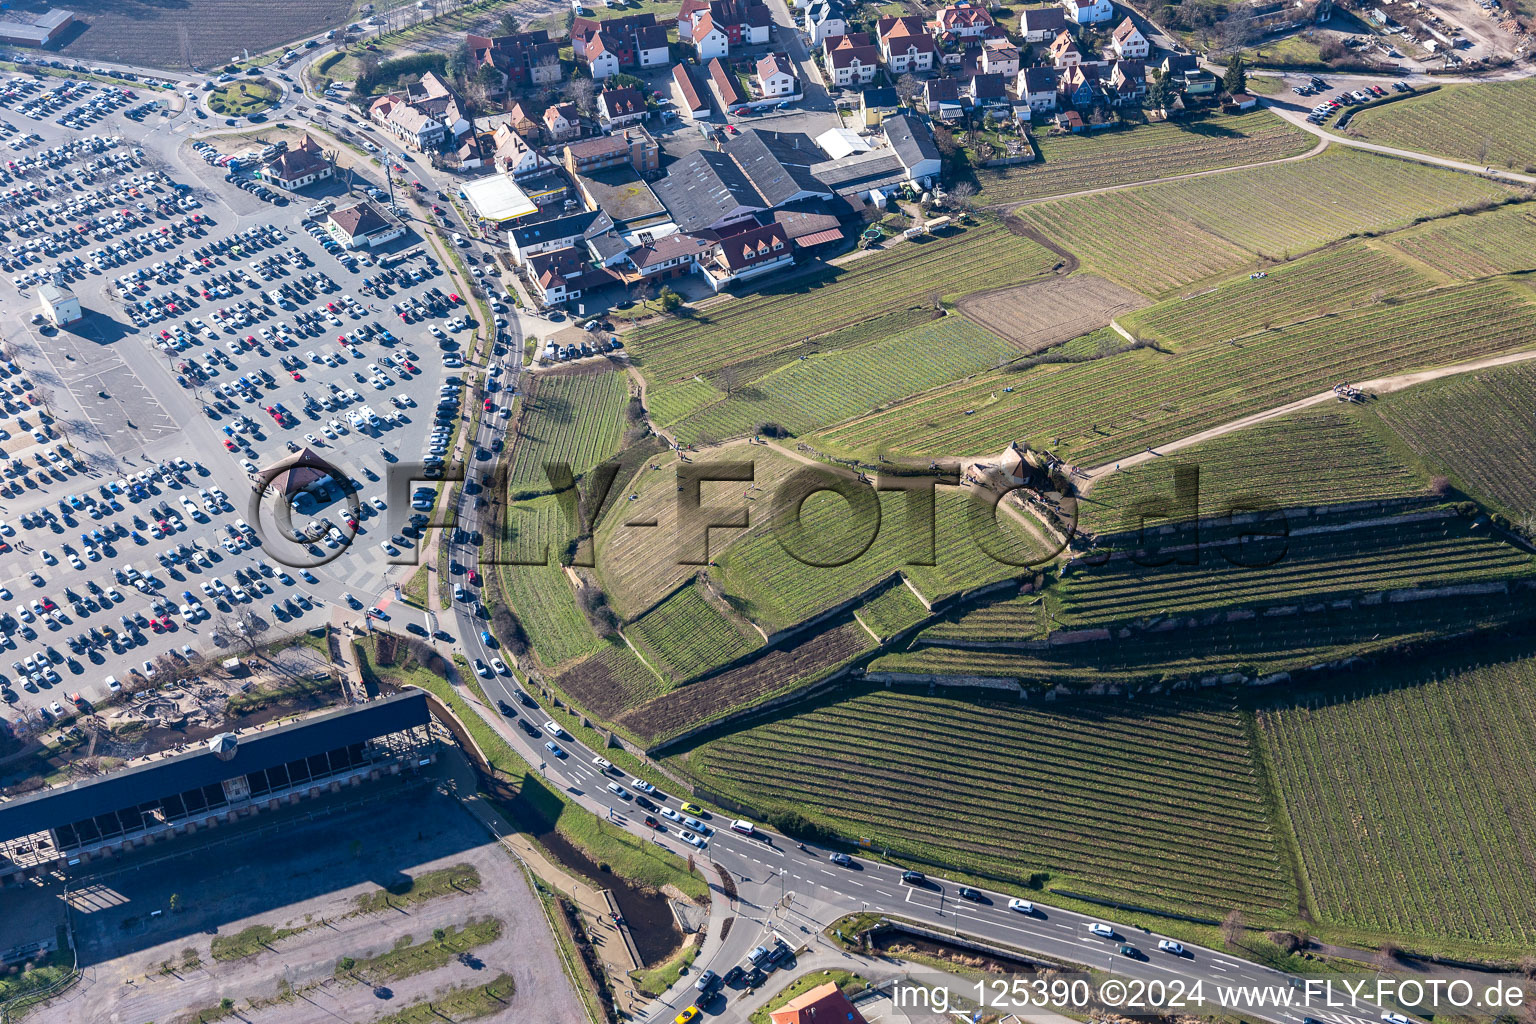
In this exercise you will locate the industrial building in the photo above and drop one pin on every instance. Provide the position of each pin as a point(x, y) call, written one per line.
point(231, 777)
point(28, 28)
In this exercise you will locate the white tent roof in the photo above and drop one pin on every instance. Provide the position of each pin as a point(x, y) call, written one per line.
point(498, 198)
point(840, 142)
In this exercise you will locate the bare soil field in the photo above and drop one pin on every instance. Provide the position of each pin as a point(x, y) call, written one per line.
point(1045, 313)
point(177, 34)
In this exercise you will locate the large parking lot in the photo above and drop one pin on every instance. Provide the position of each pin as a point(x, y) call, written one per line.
point(223, 333)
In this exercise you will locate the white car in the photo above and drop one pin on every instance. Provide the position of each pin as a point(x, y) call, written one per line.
point(642, 786)
point(618, 791)
point(553, 728)
point(377, 503)
point(1022, 906)
point(1170, 946)
point(693, 840)
point(148, 670)
point(1395, 1018)
point(1103, 931)
point(500, 667)
point(481, 670)
point(670, 814)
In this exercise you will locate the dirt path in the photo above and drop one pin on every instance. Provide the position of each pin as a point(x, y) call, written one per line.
point(1381, 385)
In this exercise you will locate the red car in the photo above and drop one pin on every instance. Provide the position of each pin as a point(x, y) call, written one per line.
point(154, 624)
point(230, 446)
point(651, 822)
point(295, 374)
point(438, 209)
point(411, 368)
point(48, 604)
point(454, 297)
point(474, 578)
point(351, 523)
point(489, 405)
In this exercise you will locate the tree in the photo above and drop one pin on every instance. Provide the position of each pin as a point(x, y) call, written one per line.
point(908, 88)
point(174, 902)
point(729, 379)
point(963, 193)
point(507, 25)
point(1232, 928)
point(583, 93)
point(347, 963)
point(439, 935)
point(945, 140)
point(1159, 91)
point(457, 64)
point(1236, 78)
point(669, 300)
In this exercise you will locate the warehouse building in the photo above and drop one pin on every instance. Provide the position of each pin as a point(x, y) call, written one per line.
point(29, 28)
point(231, 777)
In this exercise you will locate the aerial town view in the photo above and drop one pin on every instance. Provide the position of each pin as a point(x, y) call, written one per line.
point(768, 512)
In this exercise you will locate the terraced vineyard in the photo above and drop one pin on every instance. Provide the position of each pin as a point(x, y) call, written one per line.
point(1075, 163)
point(685, 636)
point(889, 613)
point(1480, 427)
point(1257, 646)
point(1324, 457)
point(780, 588)
point(1158, 806)
point(609, 682)
point(1440, 123)
point(775, 671)
point(541, 595)
point(823, 389)
point(1306, 566)
point(1447, 762)
point(576, 418)
point(1498, 242)
point(1162, 237)
point(908, 275)
point(1095, 411)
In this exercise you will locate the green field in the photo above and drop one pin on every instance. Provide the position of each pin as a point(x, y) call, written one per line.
point(1414, 806)
point(1497, 242)
point(905, 276)
point(541, 595)
point(1157, 804)
point(1077, 163)
point(1321, 457)
point(1480, 428)
point(819, 390)
point(780, 586)
point(1486, 125)
point(575, 418)
point(1096, 411)
point(686, 635)
point(1164, 237)
point(891, 612)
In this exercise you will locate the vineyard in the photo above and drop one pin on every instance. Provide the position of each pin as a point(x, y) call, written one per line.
point(774, 671)
point(1162, 237)
point(780, 588)
point(1323, 457)
point(1437, 123)
point(640, 565)
point(1481, 427)
point(819, 390)
point(541, 595)
point(1311, 566)
point(609, 682)
point(1253, 647)
point(1074, 163)
point(1414, 806)
point(1158, 806)
point(1094, 411)
point(686, 636)
point(575, 418)
point(1045, 313)
point(1329, 282)
point(906, 276)
point(889, 613)
point(1499, 242)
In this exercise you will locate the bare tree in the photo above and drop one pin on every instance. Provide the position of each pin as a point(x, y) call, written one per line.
point(908, 88)
point(729, 379)
point(244, 626)
point(963, 193)
point(583, 93)
point(1232, 928)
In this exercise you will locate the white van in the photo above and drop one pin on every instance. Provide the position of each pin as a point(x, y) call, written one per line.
point(603, 765)
point(744, 827)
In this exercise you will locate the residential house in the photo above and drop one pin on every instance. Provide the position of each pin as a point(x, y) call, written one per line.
point(914, 147)
point(361, 225)
point(999, 57)
point(294, 168)
point(619, 107)
point(644, 151)
point(823, 19)
point(824, 1004)
point(607, 47)
point(672, 256)
point(564, 275)
point(875, 105)
point(516, 117)
point(1185, 73)
point(746, 255)
point(513, 155)
point(544, 236)
point(591, 155)
point(851, 59)
point(1064, 52)
point(1079, 85)
point(602, 61)
point(435, 98)
point(963, 20)
point(692, 94)
point(1128, 42)
point(709, 41)
point(984, 91)
point(1127, 83)
point(906, 45)
point(1038, 24)
point(775, 76)
point(417, 130)
point(744, 22)
point(687, 15)
point(1038, 86)
point(1088, 12)
point(562, 122)
point(941, 96)
point(526, 58)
